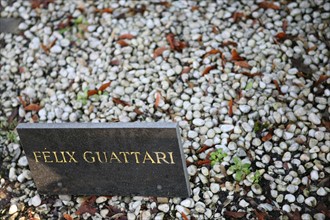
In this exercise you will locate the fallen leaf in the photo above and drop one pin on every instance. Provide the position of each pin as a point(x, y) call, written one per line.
point(268, 5)
point(203, 162)
point(40, 3)
point(235, 56)
point(282, 36)
point(236, 215)
point(166, 4)
point(115, 62)
point(65, 23)
point(284, 25)
point(126, 36)
point(237, 16)
point(215, 30)
point(211, 52)
point(185, 70)
point(321, 80)
point(87, 206)
point(12, 116)
point(277, 87)
point(208, 69)
point(158, 97)
point(92, 92)
point(32, 107)
point(267, 137)
point(104, 10)
point(203, 149)
point(243, 64)
point(251, 74)
point(122, 43)
point(46, 48)
point(299, 64)
point(21, 69)
point(230, 110)
point(260, 215)
point(184, 216)
point(67, 217)
point(22, 101)
point(159, 51)
point(120, 102)
point(104, 86)
point(326, 124)
point(174, 44)
point(229, 43)
point(194, 8)
point(138, 111)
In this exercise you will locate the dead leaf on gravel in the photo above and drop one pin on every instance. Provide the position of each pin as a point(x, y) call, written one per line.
point(237, 16)
point(208, 69)
point(267, 137)
point(32, 107)
point(235, 215)
point(268, 5)
point(104, 10)
point(126, 36)
point(175, 44)
point(211, 52)
point(122, 43)
point(243, 64)
point(321, 80)
point(230, 107)
point(87, 206)
point(235, 56)
point(67, 217)
point(158, 98)
point(159, 51)
point(120, 102)
point(299, 64)
point(260, 215)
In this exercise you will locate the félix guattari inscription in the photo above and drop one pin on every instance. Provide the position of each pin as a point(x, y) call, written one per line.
point(106, 159)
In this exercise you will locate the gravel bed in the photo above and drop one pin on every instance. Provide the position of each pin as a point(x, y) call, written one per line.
point(251, 78)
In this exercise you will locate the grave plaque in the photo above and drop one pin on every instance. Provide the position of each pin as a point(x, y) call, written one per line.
point(106, 159)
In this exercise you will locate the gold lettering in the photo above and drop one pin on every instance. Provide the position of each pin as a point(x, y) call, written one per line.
point(46, 155)
point(36, 156)
point(99, 158)
point(56, 159)
point(161, 156)
point(125, 156)
point(136, 156)
point(85, 158)
point(114, 157)
point(171, 157)
point(71, 155)
point(62, 152)
point(148, 157)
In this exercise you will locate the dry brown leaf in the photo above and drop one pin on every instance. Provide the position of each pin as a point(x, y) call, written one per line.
point(122, 43)
point(138, 111)
point(211, 52)
point(260, 215)
point(321, 80)
point(229, 43)
point(32, 107)
point(236, 215)
point(21, 100)
point(46, 48)
point(267, 137)
point(115, 62)
point(284, 25)
point(230, 109)
point(40, 3)
point(251, 74)
point(159, 51)
point(104, 86)
point(208, 69)
point(243, 64)
point(158, 97)
point(235, 56)
point(120, 102)
point(203, 162)
point(237, 16)
point(194, 8)
point(174, 44)
point(203, 149)
point(92, 92)
point(67, 217)
point(268, 5)
point(185, 70)
point(277, 87)
point(87, 206)
point(184, 216)
point(104, 10)
point(126, 36)
point(215, 30)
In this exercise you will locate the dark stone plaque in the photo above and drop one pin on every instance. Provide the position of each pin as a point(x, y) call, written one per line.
point(106, 159)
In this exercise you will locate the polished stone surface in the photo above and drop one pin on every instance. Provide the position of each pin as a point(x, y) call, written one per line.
point(106, 158)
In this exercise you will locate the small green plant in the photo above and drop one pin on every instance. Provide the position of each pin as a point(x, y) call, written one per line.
point(240, 169)
point(256, 177)
point(217, 156)
point(12, 137)
point(83, 96)
point(259, 126)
